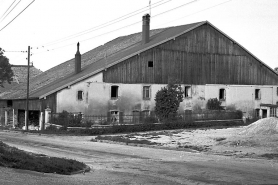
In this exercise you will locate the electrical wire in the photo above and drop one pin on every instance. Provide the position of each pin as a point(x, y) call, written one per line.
point(175, 8)
point(11, 10)
point(17, 15)
point(196, 12)
point(114, 21)
point(8, 9)
point(135, 23)
point(115, 29)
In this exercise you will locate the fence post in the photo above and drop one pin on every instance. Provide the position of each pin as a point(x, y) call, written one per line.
point(47, 115)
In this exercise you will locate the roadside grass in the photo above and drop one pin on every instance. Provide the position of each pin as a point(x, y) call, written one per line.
point(14, 158)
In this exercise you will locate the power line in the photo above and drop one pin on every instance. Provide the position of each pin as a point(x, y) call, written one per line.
point(17, 15)
point(197, 12)
point(116, 29)
point(8, 9)
point(175, 8)
point(124, 17)
point(134, 24)
point(11, 10)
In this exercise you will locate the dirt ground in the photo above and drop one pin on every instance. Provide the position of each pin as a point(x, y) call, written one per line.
point(211, 156)
point(258, 140)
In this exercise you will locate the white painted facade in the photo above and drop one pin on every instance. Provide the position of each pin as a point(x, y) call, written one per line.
point(96, 97)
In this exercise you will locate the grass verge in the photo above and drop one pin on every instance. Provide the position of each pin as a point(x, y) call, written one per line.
point(14, 158)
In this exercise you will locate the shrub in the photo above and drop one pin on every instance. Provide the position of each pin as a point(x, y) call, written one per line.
point(167, 101)
point(150, 119)
point(214, 104)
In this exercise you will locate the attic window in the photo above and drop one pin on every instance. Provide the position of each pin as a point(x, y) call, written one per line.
point(114, 91)
point(150, 63)
point(9, 103)
point(80, 95)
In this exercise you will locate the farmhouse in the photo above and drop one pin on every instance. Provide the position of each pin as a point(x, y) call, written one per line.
point(123, 75)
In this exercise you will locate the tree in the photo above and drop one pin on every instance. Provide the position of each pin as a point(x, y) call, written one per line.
point(6, 73)
point(167, 101)
point(276, 69)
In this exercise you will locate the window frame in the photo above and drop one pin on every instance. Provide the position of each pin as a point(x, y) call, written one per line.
point(150, 63)
point(80, 93)
point(188, 91)
point(117, 92)
point(144, 92)
point(257, 94)
point(222, 94)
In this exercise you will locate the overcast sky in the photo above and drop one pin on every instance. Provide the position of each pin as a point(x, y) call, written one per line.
point(252, 23)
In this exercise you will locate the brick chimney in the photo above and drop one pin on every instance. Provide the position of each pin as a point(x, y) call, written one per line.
point(146, 29)
point(77, 60)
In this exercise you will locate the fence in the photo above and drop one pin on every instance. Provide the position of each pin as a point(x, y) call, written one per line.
point(79, 120)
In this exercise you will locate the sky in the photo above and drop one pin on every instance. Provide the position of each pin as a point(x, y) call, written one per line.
point(52, 28)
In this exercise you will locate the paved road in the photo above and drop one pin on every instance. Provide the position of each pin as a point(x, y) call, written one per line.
point(121, 164)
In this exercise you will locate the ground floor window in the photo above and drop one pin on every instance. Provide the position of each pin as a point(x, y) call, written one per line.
point(257, 94)
point(114, 91)
point(222, 94)
point(187, 91)
point(146, 92)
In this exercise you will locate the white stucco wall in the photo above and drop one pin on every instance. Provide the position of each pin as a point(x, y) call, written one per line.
point(97, 97)
point(242, 97)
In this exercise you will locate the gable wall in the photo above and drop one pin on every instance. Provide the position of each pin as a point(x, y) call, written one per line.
point(201, 56)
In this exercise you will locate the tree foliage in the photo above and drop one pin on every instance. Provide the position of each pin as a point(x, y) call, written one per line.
point(276, 69)
point(214, 104)
point(6, 72)
point(167, 101)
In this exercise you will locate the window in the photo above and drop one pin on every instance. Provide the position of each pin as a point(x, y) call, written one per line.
point(222, 94)
point(80, 95)
point(187, 91)
point(146, 92)
point(114, 91)
point(9, 103)
point(150, 63)
point(257, 94)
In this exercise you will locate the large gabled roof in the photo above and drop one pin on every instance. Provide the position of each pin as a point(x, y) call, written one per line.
point(94, 61)
point(101, 64)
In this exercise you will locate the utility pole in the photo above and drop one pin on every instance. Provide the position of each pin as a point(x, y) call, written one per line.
point(27, 99)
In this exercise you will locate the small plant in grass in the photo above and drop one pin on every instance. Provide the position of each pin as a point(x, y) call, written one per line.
point(15, 158)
